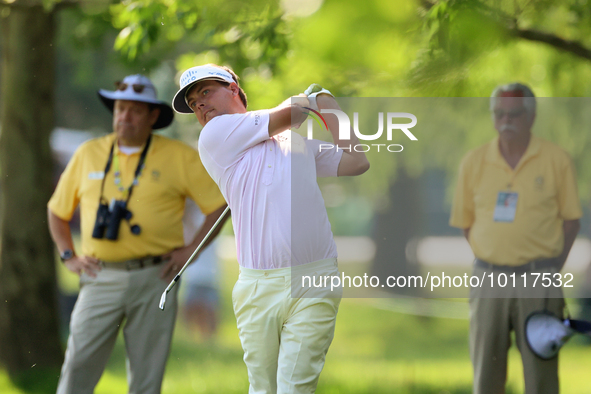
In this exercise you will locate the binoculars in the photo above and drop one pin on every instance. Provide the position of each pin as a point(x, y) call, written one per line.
point(108, 220)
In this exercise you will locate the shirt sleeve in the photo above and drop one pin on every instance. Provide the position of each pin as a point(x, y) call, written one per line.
point(226, 138)
point(568, 197)
point(200, 187)
point(327, 157)
point(66, 196)
point(462, 211)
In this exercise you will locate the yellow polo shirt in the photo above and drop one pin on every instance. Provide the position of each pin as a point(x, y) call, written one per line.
point(544, 180)
point(172, 172)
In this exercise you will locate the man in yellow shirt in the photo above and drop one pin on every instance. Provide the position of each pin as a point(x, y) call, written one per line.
point(516, 201)
point(131, 187)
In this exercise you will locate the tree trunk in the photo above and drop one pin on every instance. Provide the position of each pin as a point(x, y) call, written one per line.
point(29, 328)
point(395, 228)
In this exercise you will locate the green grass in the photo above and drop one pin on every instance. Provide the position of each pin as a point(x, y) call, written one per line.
point(374, 351)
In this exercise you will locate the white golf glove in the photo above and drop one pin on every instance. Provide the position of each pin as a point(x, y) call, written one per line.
point(313, 91)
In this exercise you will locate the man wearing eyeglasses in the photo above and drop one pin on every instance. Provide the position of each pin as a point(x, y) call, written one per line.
point(131, 186)
point(516, 201)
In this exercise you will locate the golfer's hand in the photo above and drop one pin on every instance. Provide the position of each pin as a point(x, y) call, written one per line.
point(314, 92)
point(314, 88)
point(176, 260)
point(298, 104)
point(87, 264)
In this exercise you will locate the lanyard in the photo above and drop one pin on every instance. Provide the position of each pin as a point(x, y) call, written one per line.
point(137, 174)
point(117, 173)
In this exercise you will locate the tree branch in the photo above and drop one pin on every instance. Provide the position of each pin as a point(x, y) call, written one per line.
point(510, 23)
point(574, 47)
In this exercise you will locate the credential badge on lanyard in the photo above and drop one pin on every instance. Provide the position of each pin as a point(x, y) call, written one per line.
point(506, 207)
point(96, 175)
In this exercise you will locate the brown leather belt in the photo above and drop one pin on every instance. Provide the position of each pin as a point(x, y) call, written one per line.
point(134, 264)
point(535, 265)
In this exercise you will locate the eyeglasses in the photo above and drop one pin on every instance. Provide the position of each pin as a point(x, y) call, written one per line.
point(138, 88)
point(499, 114)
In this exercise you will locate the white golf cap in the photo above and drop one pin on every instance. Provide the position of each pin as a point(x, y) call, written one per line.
point(191, 77)
point(138, 88)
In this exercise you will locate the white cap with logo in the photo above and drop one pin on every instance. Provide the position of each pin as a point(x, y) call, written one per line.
point(190, 77)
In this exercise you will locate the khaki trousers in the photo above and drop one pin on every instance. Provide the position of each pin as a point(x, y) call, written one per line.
point(491, 322)
point(285, 339)
point(113, 298)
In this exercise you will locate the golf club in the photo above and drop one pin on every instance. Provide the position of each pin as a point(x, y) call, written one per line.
point(178, 276)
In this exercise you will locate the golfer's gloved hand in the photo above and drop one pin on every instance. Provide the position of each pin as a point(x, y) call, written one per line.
point(313, 91)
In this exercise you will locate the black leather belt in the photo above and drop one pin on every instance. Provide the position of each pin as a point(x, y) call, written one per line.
point(535, 265)
point(134, 264)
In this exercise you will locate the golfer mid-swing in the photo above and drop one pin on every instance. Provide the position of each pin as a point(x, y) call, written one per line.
point(267, 175)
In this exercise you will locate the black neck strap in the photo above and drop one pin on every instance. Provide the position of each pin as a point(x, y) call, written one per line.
point(138, 169)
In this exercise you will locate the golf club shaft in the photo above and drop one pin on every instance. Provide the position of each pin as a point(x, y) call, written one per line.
point(211, 230)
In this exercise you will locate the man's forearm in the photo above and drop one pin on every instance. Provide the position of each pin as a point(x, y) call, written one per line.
point(570, 229)
point(325, 101)
point(352, 161)
point(288, 114)
point(60, 232)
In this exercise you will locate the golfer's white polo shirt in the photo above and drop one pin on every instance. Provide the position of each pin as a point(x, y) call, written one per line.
point(270, 185)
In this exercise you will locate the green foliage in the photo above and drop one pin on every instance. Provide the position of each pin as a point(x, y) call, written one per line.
point(148, 37)
point(460, 36)
point(241, 33)
point(457, 32)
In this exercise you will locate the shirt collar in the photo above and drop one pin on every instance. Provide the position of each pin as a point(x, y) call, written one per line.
point(493, 154)
point(117, 150)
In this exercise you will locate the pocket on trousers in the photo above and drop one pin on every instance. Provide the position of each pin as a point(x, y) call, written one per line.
point(243, 290)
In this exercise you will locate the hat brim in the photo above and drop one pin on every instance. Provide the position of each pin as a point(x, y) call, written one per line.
point(180, 104)
point(165, 118)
